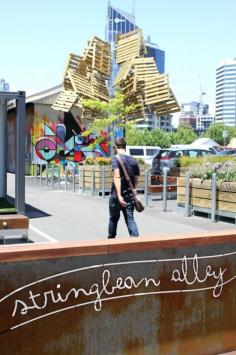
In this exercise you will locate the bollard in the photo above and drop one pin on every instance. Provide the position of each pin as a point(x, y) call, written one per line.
point(47, 175)
point(66, 177)
point(146, 187)
point(41, 173)
point(92, 181)
point(165, 171)
point(52, 176)
point(59, 178)
point(81, 179)
point(187, 194)
point(103, 181)
point(73, 179)
point(213, 197)
point(35, 171)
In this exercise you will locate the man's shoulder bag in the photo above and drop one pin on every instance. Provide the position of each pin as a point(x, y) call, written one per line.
point(137, 201)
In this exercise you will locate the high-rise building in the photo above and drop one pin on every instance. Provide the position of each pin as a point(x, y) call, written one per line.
point(226, 92)
point(196, 114)
point(120, 22)
point(159, 55)
point(4, 86)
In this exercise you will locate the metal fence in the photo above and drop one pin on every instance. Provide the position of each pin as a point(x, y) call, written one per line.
point(72, 180)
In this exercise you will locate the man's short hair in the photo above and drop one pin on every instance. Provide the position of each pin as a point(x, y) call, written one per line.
point(120, 143)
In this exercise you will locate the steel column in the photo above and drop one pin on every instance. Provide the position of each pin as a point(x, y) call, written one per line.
point(20, 153)
point(3, 148)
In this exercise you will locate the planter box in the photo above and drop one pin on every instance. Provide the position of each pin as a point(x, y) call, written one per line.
point(178, 171)
point(200, 195)
point(92, 177)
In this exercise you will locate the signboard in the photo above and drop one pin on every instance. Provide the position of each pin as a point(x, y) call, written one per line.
point(123, 297)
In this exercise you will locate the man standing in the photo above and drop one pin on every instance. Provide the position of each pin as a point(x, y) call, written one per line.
point(121, 195)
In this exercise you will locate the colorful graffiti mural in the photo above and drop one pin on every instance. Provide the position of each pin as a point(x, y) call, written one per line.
point(65, 141)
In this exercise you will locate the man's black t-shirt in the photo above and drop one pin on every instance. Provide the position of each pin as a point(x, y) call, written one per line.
point(132, 168)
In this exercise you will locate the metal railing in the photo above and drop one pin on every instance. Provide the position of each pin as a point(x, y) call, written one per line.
point(73, 180)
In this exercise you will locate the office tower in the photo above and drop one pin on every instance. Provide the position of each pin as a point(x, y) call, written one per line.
point(4, 86)
point(158, 54)
point(120, 22)
point(226, 92)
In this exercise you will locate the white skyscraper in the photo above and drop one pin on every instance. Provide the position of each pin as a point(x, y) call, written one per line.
point(226, 92)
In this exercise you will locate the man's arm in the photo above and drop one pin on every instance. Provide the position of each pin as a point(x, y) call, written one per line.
point(117, 182)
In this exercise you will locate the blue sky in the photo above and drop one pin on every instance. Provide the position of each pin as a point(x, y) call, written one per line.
point(37, 36)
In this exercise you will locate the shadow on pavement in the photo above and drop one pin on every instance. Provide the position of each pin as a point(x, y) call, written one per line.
point(31, 211)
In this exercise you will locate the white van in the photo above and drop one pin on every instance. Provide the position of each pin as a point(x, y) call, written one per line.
point(142, 151)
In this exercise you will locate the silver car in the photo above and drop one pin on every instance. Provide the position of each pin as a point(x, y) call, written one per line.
point(168, 157)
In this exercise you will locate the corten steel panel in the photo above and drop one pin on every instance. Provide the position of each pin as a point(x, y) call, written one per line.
point(166, 296)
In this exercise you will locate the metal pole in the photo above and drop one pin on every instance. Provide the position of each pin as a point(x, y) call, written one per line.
point(146, 187)
point(3, 148)
point(66, 176)
point(73, 182)
point(92, 181)
point(103, 181)
point(187, 194)
point(46, 174)
point(165, 170)
point(41, 173)
point(20, 153)
point(59, 177)
point(213, 197)
point(52, 176)
point(36, 171)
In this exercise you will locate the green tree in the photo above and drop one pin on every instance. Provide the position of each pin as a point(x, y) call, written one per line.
point(183, 135)
point(216, 130)
point(110, 115)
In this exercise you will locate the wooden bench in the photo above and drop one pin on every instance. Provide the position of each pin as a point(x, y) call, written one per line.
point(14, 224)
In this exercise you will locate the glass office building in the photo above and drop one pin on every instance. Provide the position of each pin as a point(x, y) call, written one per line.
point(120, 22)
point(226, 92)
point(159, 55)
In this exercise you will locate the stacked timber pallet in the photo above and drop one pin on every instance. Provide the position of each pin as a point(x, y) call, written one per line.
point(139, 79)
point(85, 77)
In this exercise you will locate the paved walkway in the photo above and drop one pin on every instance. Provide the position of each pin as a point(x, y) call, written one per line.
point(67, 216)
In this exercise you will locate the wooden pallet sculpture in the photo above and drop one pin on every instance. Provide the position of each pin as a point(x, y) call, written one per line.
point(139, 79)
point(84, 77)
point(97, 56)
point(129, 45)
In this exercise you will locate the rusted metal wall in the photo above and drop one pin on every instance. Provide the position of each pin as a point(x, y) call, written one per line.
point(172, 300)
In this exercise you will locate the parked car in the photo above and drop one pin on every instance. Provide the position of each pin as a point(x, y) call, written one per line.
point(226, 152)
point(168, 157)
point(144, 152)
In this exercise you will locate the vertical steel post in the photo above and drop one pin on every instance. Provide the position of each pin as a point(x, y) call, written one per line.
point(41, 173)
point(146, 187)
point(66, 177)
point(92, 181)
point(59, 177)
point(81, 179)
point(20, 153)
point(187, 194)
point(73, 181)
point(46, 174)
point(3, 148)
point(165, 170)
point(36, 171)
point(103, 181)
point(213, 197)
point(52, 176)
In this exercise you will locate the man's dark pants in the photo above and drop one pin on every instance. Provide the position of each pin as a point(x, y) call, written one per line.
point(128, 212)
